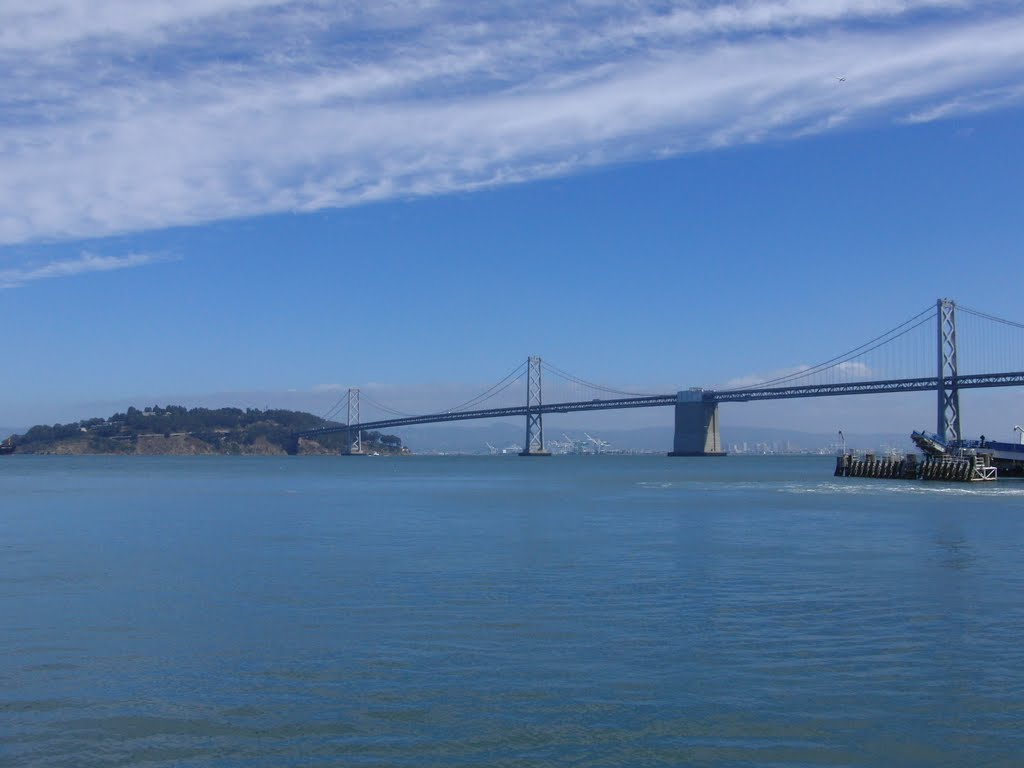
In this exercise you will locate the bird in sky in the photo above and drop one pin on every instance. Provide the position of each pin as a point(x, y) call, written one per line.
point(841, 79)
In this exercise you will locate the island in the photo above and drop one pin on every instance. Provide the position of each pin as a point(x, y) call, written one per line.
point(178, 431)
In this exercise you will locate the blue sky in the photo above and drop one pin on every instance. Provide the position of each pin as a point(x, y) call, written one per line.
point(257, 202)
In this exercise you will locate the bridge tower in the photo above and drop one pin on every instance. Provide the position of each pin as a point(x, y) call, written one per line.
point(353, 447)
point(534, 445)
point(696, 431)
point(948, 389)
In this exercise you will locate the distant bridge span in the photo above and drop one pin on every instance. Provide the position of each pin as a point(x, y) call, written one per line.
point(696, 410)
point(926, 384)
point(704, 396)
point(650, 401)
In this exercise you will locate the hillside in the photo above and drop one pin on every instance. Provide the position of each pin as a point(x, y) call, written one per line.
point(176, 430)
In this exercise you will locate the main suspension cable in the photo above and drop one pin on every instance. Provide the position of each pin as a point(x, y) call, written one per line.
point(987, 316)
point(333, 410)
point(385, 408)
point(583, 382)
point(516, 374)
point(864, 348)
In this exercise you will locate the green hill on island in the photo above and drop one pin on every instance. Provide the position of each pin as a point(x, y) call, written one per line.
point(176, 430)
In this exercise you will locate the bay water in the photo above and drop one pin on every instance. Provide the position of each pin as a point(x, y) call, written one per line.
point(500, 611)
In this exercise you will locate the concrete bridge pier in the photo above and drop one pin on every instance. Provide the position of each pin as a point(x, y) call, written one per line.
point(696, 425)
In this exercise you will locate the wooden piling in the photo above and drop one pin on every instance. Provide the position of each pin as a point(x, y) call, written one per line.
point(959, 469)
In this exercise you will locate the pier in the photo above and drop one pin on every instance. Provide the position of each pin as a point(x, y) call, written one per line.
point(971, 468)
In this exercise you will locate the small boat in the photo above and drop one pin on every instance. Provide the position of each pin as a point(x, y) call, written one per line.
point(6, 447)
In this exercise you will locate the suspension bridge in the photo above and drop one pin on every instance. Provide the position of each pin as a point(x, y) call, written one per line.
point(944, 349)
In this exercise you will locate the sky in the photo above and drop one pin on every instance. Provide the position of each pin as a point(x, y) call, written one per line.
point(264, 202)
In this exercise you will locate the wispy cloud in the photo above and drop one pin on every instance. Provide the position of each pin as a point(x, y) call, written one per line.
point(84, 264)
point(751, 380)
point(848, 371)
point(855, 370)
point(970, 103)
point(117, 116)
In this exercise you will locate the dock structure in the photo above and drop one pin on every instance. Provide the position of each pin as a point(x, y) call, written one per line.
point(969, 468)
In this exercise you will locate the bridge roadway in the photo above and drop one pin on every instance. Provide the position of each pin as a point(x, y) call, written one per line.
point(928, 384)
point(649, 401)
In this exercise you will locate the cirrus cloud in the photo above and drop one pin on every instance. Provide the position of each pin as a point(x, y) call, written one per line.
point(119, 117)
point(84, 264)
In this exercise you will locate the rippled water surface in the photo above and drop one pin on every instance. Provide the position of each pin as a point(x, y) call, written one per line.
point(592, 611)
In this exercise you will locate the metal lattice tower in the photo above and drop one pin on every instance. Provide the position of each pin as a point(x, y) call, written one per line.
point(353, 418)
point(534, 418)
point(948, 391)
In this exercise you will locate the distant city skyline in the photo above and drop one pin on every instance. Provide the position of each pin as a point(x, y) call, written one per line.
point(263, 202)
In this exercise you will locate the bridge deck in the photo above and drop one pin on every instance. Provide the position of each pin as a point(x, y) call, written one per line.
point(971, 381)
